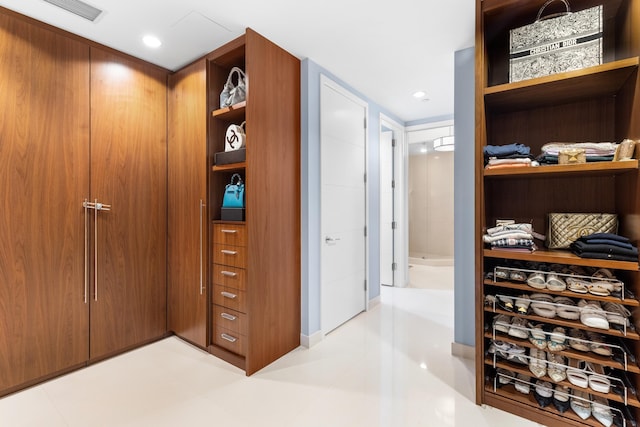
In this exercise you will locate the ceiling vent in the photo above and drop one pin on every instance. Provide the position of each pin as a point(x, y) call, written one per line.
point(77, 7)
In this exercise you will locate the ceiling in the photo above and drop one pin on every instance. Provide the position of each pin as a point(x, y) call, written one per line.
point(387, 50)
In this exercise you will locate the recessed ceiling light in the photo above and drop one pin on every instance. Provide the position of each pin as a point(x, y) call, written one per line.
point(152, 41)
point(419, 94)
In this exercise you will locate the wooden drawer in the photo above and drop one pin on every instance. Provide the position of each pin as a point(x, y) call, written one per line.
point(229, 276)
point(234, 256)
point(229, 319)
point(230, 340)
point(229, 297)
point(229, 234)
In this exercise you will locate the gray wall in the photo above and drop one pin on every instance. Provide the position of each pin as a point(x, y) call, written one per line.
point(464, 197)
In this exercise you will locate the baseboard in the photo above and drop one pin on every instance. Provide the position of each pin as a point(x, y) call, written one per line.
point(374, 301)
point(309, 341)
point(463, 351)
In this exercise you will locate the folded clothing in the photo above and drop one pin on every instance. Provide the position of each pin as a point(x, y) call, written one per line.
point(509, 151)
point(552, 159)
point(605, 246)
point(591, 148)
point(517, 236)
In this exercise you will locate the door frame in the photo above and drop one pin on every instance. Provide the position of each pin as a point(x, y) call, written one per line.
point(400, 200)
point(332, 84)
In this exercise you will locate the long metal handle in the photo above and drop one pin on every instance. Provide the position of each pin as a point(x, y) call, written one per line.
point(228, 316)
point(228, 337)
point(95, 251)
point(228, 295)
point(86, 249)
point(229, 231)
point(228, 273)
point(228, 252)
point(97, 206)
point(201, 261)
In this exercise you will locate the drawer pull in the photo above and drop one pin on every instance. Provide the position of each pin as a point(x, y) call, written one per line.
point(228, 338)
point(228, 273)
point(228, 295)
point(229, 231)
point(228, 316)
point(228, 252)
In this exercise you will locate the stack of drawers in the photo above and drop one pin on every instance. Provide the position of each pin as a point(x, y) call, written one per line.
point(229, 288)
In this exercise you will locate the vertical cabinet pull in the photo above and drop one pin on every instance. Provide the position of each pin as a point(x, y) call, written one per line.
point(96, 206)
point(202, 205)
point(85, 205)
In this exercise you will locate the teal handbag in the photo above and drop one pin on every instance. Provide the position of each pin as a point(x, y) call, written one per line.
point(234, 193)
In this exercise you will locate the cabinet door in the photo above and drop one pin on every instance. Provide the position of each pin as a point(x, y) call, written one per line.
point(128, 172)
point(44, 177)
point(187, 310)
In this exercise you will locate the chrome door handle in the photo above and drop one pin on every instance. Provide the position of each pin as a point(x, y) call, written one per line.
point(96, 206)
point(331, 240)
point(86, 249)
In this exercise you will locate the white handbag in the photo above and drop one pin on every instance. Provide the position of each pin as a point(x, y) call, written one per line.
point(234, 93)
point(235, 137)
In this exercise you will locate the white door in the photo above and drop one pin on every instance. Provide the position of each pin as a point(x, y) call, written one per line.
point(386, 206)
point(343, 205)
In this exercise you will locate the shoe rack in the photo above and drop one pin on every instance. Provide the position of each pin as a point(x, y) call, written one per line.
point(591, 323)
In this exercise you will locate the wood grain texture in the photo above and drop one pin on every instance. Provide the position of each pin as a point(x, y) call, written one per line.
point(129, 172)
point(44, 177)
point(597, 104)
point(273, 201)
point(187, 182)
point(272, 178)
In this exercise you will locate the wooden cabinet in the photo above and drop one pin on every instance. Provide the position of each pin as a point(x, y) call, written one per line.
point(261, 256)
point(44, 177)
point(600, 103)
point(78, 123)
point(188, 225)
point(128, 172)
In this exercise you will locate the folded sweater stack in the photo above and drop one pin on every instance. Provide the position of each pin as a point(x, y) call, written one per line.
point(605, 246)
point(507, 156)
point(515, 237)
point(594, 151)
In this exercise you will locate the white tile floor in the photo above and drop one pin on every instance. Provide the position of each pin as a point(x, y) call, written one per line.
point(388, 367)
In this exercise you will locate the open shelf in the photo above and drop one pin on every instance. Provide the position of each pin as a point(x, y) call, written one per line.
point(523, 369)
point(231, 113)
point(586, 169)
point(509, 393)
point(574, 324)
point(230, 167)
point(560, 257)
point(573, 354)
point(601, 80)
point(632, 302)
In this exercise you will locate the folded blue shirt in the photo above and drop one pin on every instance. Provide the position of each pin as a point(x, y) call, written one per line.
point(506, 150)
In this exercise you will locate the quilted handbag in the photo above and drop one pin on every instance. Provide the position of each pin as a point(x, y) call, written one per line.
point(233, 93)
point(565, 228)
point(234, 193)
